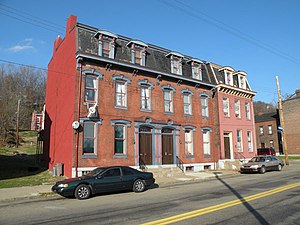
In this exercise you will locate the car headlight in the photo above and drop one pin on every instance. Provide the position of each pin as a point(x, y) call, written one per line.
point(254, 166)
point(63, 185)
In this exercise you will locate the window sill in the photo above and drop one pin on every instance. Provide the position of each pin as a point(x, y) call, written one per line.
point(189, 156)
point(146, 110)
point(169, 113)
point(206, 156)
point(205, 117)
point(121, 107)
point(89, 156)
point(120, 156)
point(188, 115)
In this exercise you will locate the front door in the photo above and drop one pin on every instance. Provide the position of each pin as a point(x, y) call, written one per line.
point(145, 145)
point(227, 145)
point(167, 146)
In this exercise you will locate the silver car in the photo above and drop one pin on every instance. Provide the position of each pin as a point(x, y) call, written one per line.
point(262, 164)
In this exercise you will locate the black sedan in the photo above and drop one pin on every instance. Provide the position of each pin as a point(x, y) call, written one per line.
point(104, 179)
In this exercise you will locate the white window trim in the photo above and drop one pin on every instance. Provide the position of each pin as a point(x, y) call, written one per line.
point(125, 125)
point(237, 108)
point(239, 145)
point(189, 153)
point(206, 132)
point(227, 108)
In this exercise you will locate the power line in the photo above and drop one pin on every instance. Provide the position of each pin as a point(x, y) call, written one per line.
point(30, 21)
point(227, 28)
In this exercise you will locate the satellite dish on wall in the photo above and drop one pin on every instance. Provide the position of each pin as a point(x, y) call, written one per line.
point(75, 125)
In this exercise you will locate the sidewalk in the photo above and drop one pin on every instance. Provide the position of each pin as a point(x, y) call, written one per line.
point(29, 192)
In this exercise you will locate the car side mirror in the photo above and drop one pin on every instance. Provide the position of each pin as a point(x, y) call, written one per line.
point(99, 177)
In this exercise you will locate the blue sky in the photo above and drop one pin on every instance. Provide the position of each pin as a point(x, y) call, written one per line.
point(260, 37)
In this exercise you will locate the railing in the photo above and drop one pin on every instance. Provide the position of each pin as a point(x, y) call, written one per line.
point(143, 165)
point(240, 156)
point(179, 163)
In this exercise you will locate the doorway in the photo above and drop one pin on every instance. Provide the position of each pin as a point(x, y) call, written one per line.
point(227, 145)
point(167, 146)
point(145, 145)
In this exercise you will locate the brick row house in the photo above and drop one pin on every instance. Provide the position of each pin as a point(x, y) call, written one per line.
point(291, 116)
point(113, 100)
point(267, 134)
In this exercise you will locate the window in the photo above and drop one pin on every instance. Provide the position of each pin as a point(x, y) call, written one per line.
point(247, 109)
point(206, 142)
point(176, 62)
point(176, 65)
point(120, 139)
point(168, 101)
point(204, 105)
point(228, 78)
point(237, 109)
point(226, 107)
point(121, 94)
point(89, 138)
point(261, 130)
point(112, 173)
point(242, 82)
point(197, 71)
point(127, 171)
point(106, 47)
point(271, 144)
point(138, 52)
point(187, 103)
point(249, 137)
point(106, 42)
point(239, 140)
point(90, 88)
point(138, 56)
point(189, 148)
point(270, 130)
point(145, 98)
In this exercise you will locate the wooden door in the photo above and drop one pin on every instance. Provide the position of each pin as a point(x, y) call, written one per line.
point(227, 146)
point(167, 146)
point(145, 145)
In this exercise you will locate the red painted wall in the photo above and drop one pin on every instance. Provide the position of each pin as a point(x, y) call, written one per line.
point(60, 100)
point(232, 124)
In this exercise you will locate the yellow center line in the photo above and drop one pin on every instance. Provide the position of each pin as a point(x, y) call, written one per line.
point(225, 205)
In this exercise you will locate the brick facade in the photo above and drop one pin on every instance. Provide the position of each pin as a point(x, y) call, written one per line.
point(291, 117)
point(99, 79)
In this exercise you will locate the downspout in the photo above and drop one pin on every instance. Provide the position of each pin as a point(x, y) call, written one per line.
point(78, 116)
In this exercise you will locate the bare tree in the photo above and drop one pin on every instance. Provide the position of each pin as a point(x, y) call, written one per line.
point(26, 84)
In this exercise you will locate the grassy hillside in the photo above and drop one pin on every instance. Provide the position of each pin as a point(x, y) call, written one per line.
point(19, 166)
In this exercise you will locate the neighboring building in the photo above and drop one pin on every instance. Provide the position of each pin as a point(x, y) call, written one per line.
point(291, 116)
point(129, 102)
point(37, 121)
point(267, 135)
point(236, 117)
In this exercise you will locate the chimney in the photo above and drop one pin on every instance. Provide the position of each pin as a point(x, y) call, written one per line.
point(71, 22)
point(297, 92)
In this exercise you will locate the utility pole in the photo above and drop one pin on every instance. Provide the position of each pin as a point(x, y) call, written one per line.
point(17, 125)
point(282, 123)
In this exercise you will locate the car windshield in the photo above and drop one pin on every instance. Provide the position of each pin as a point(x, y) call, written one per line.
point(257, 159)
point(95, 171)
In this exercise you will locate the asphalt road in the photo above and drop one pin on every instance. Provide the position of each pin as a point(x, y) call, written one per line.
point(271, 198)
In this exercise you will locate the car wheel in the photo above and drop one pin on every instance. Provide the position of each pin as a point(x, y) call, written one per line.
point(262, 170)
point(279, 167)
point(82, 192)
point(139, 186)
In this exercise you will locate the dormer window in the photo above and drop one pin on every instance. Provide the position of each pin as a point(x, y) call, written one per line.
point(228, 75)
point(106, 46)
point(196, 68)
point(138, 52)
point(176, 62)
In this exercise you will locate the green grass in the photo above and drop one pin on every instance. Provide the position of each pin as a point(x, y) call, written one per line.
point(18, 165)
point(31, 180)
point(291, 157)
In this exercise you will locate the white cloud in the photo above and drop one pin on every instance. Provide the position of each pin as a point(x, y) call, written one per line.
point(19, 48)
point(23, 45)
